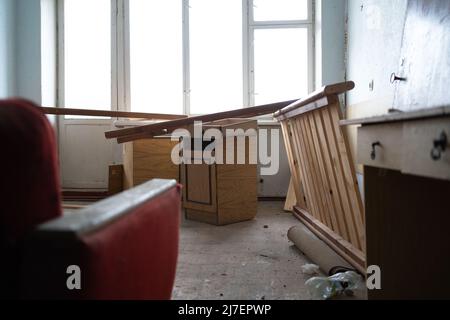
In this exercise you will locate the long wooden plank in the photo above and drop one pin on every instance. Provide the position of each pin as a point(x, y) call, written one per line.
point(168, 126)
point(329, 90)
point(110, 113)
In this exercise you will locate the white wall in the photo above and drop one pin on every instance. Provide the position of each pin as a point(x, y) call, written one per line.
point(28, 49)
point(7, 48)
point(375, 30)
point(330, 41)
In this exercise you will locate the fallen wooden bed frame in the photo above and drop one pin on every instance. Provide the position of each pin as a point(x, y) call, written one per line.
point(323, 173)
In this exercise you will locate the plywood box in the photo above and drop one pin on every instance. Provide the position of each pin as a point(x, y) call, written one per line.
point(148, 159)
point(221, 194)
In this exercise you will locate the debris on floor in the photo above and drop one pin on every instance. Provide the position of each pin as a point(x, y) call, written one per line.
point(310, 269)
point(347, 283)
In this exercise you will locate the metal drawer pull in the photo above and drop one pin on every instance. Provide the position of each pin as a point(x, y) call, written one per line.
point(439, 146)
point(373, 154)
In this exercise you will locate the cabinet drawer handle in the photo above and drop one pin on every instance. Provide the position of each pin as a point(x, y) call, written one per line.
point(373, 154)
point(439, 146)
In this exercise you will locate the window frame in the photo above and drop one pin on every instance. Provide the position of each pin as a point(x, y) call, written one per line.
point(253, 25)
point(120, 52)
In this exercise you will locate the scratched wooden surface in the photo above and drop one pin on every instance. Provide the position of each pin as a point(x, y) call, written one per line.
point(426, 54)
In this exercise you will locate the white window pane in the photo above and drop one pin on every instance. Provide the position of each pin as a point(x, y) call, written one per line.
point(215, 55)
point(156, 56)
point(87, 54)
point(278, 10)
point(281, 64)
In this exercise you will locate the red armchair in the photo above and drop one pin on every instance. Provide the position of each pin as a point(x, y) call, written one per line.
point(126, 246)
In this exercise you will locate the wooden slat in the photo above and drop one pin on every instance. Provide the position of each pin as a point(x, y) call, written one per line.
point(337, 165)
point(301, 169)
point(109, 113)
point(150, 130)
point(295, 182)
point(314, 170)
point(291, 198)
point(349, 173)
point(316, 210)
point(328, 162)
point(327, 192)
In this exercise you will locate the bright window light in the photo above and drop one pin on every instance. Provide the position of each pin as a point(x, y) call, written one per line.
point(156, 56)
point(277, 10)
point(87, 54)
point(216, 73)
point(281, 64)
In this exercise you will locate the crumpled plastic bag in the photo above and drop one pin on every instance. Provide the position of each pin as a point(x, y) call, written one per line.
point(322, 288)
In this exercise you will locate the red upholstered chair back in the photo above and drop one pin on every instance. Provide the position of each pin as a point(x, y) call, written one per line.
point(29, 183)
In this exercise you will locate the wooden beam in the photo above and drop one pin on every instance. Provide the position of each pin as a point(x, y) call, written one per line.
point(311, 100)
point(109, 113)
point(151, 130)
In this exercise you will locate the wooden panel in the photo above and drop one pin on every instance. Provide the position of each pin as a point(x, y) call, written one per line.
point(152, 159)
point(236, 193)
point(389, 154)
point(407, 234)
point(198, 184)
point(425, 48)
point(418, 142)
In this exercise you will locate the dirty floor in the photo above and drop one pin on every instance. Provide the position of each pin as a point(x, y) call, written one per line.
point(250, 260)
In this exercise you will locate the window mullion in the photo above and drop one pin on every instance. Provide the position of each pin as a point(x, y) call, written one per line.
point(186, 59)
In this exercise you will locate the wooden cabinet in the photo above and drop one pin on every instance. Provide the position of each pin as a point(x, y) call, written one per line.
point(222, 194)
point(148, 159)
point(407, 185)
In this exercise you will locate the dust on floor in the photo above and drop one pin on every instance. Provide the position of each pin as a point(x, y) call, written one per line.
point(251, 260)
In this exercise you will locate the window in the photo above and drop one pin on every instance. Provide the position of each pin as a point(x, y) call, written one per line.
point(185, 56)
point(281, 51)
point(87, 54)
point(215, 65)
point(156, 56)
